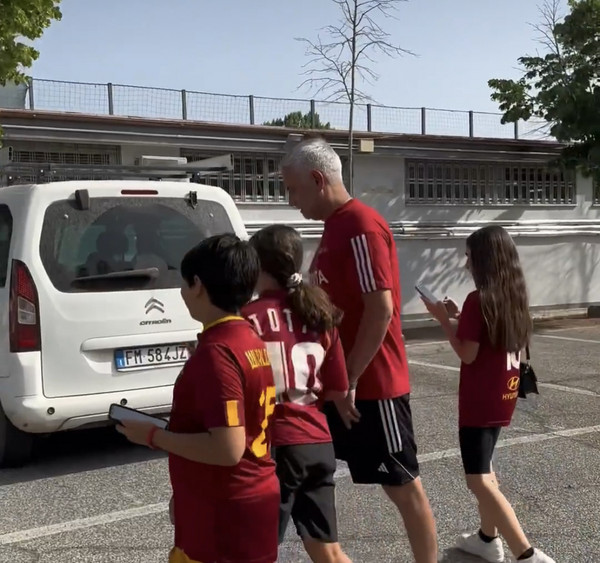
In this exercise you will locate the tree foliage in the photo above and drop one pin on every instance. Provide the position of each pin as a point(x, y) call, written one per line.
point(298, 120)
point(344, 55)
point(19, 20)
point(562, 85)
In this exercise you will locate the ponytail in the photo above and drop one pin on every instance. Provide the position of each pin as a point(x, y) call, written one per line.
point(280, 252)
point(314, 308)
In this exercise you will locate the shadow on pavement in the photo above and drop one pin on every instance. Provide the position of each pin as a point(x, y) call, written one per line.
point(454, 555)
point(78, 451)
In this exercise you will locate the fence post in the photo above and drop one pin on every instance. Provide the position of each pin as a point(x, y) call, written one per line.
point(30, 92)
point(111, 106)
point(471, 123)
point(251, 106)
point(183, 104)
point(313, 115)
point(516, 129)
point(369, 122)
point(423, 121)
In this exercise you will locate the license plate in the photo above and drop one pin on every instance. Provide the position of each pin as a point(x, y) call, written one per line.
point(151, 356)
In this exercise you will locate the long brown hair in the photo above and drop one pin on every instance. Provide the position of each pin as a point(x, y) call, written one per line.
point(498, 276)
point(279, 249)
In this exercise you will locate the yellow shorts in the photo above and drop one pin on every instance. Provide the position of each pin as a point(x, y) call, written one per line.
point(177, 556)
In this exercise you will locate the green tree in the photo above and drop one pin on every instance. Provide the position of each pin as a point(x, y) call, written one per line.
point(339, 63)
point(561, 86)
point(298, 120)
point(22, 19)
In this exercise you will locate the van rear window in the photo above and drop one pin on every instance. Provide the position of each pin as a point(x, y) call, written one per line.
point(123, 244)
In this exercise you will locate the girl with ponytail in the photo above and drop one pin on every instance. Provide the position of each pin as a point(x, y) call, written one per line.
point(298, 322)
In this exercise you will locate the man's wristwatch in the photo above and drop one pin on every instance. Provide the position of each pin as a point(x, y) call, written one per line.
point(352, 385)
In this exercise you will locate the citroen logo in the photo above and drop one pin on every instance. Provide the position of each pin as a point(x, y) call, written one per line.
point(154, 305)
point(513, 383)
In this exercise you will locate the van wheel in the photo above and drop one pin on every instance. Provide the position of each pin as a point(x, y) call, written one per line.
point(16, 446)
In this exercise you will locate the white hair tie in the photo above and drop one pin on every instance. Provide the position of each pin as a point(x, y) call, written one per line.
point(294, 280)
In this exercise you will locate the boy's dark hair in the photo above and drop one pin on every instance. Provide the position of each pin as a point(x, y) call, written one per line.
point(279, 249)
point(227, 267)
point(499, 278)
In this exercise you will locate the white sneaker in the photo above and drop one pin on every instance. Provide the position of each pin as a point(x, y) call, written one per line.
point(492, 552)
point(538, 557)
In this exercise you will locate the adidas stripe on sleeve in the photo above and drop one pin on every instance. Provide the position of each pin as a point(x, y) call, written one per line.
point(372, 262)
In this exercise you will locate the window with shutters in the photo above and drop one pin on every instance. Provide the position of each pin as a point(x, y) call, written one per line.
point(24, 152)
point(434, 182)
point(254, 178)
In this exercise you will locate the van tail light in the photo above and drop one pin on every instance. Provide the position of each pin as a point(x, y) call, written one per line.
point(24, 311)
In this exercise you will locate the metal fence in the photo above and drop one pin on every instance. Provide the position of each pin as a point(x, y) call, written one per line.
point(123, 100)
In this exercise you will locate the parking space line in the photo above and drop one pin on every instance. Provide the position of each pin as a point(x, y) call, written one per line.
point(575, 390)
point(568, 338)
point(138, 512)
point(82, 523)
point(565, 388)
point(566, 329)
point(426, 343)
point(434, 366)
point(528, 439)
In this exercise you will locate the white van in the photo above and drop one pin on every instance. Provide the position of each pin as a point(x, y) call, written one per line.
point(90, 305)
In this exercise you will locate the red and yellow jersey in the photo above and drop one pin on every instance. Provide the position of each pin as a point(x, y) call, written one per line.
point(227, 382)
point(306, 365)
point(489, 386)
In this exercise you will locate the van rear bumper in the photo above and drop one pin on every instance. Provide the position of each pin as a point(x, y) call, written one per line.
point(30, 414)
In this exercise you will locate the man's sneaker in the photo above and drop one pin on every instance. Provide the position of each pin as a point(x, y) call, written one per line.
point(492, 552)
point(538, 557)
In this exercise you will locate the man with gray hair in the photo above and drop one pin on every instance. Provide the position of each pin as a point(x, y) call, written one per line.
point(357, 265)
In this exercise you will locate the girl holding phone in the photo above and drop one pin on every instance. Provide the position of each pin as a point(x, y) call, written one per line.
point(493, 327)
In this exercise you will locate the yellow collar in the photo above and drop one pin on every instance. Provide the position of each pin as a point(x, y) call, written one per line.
point(225, 319)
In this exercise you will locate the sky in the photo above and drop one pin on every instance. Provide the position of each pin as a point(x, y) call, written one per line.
point(241, 47)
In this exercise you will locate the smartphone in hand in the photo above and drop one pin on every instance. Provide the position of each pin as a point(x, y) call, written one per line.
point(119, 414)
point(426, 294)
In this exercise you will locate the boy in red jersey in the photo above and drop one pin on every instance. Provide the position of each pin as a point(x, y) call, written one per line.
point(357, 265)
point(225, 491)
point(297, 323)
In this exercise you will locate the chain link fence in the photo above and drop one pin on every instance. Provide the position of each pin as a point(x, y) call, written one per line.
point(136, 101)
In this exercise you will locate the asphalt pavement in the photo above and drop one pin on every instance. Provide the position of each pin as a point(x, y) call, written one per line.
point(92, 497)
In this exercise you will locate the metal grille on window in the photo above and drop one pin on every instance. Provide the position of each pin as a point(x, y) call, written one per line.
point(472, 183)
point(254, 178)
point(25, 152)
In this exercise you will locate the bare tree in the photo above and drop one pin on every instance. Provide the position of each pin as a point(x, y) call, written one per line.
point(551, 13)
point(337, 62)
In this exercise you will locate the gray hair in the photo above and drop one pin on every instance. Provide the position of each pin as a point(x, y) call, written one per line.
point(315, 154)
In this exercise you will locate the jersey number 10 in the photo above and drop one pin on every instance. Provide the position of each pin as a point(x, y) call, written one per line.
point(306, 361)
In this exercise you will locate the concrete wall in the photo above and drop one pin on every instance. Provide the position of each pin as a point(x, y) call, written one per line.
point(561, 269)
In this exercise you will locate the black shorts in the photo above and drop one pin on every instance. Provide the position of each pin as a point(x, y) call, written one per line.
point(477, 448)
point(380, 448)
point(307, 490)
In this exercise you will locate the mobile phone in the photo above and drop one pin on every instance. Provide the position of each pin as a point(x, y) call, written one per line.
point(119, 413)
point(428, 295)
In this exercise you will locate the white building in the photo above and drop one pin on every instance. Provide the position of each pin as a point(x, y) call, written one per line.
point(433, 190)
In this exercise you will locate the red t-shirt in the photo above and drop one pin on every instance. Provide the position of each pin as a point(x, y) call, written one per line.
point(305, 366)
point(357, 255)
point(489, 386)
point(227, 382)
